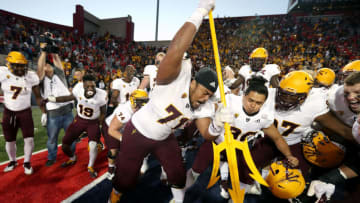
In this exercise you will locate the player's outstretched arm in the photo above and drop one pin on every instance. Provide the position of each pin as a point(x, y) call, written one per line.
point(61, 99)
point(328, 120)
point(281, 144)
point(170, 66)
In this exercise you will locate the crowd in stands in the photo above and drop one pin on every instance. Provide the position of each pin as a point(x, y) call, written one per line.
point(293, 43)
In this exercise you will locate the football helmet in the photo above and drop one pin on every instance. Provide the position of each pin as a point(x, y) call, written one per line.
point(325, 77)
point(17, 63)
point(293, 90)
point(285, 182)
point(319, 150)
point(353, 66)
point(258, 59)
point(138, 98)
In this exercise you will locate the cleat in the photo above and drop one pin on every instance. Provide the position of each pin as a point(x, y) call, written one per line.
point(92, 172)
point(68, 163)
point(224, 194)
point(224, 186)
point(114, 197)
point(28, 170)
point(10, 166)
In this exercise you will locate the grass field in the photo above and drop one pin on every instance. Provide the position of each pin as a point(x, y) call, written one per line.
point(40, 137)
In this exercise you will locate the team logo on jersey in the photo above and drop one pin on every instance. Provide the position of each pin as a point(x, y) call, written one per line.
point(184, 95)
point(8, 76)
point(80, 98)
point(247, 119)
point(236, 115)
point(340, 112)
point(124, 86)
point(258, 120)
point(133, 131)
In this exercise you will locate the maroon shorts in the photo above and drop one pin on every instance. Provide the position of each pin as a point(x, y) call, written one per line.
point(134, 148)
point(80, 125)
point(110, 141)
point(204, 157)
point(13, 120)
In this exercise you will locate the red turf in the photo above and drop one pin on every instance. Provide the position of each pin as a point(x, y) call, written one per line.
point(49, 184)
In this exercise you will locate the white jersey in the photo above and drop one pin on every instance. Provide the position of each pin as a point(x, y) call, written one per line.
point(268, 71)
point(89, 108)
point(338, 105)
point(168, 108)
point(293, 124)
point(125, 88)
point(17, 90)
point(151, 71)
point(123, 113)
point(243, 124)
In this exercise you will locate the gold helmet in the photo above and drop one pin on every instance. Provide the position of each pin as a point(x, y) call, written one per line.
point(293, 90)
point(258, 59)
point(138, 98)
point(17, 63)
point(285, 182)
point(353, 66)
point(319, 150)
point(325, 77)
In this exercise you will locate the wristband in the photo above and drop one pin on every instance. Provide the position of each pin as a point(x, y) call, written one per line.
point(197, 17)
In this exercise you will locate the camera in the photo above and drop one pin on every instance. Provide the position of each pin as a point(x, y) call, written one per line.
point(51, 42)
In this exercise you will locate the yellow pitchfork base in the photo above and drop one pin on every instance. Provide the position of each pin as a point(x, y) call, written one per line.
point(229, 144)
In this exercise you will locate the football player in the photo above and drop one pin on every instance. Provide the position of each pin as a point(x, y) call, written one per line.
point(258, 67)
point(174, 98)
point(296, 108)
point(249, 114)
point(18, 83)
point(150, 72)
point(344, 101)
point(91, 109)
point(113, 127)
point(123, 87)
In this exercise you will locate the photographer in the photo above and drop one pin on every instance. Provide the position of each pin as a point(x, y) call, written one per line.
point(52, 77)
